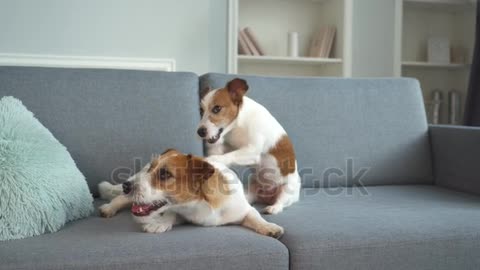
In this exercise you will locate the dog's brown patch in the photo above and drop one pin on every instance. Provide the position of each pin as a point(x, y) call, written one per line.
point(155, 162)
point(284, 154)
point(229, 99)
point(215, 190)
point(189, 178)
point(168, 150)
point(229, 110)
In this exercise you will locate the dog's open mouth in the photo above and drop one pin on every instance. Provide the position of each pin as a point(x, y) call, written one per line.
point(215, 138)
point(141, 210)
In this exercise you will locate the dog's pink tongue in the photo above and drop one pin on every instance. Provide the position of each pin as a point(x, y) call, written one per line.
point(140, 210)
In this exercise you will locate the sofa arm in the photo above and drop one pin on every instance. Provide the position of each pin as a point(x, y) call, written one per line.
point(456, 157)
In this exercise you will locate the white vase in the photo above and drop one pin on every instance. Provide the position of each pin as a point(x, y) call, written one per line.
point(292, 44)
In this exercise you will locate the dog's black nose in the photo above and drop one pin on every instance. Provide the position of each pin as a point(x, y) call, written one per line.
point(127, 187)
point(202, 132)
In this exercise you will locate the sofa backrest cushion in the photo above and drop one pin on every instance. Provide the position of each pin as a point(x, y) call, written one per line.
point(343, 127)
point(111, 121)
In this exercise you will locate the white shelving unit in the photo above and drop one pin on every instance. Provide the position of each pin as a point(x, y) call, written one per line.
point(364, 44)
point(288, 60)
point(415, 64)
point(271, 20)
point(440, 5)
point(421, 19)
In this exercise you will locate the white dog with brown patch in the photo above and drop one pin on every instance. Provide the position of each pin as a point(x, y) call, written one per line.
point(240, 131)
point(176, 187)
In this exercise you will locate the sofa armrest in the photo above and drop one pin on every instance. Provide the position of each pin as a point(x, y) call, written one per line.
point(456, 157)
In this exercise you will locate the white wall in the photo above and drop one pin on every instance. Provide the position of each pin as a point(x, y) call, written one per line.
point(193, 32)
point(373, 38)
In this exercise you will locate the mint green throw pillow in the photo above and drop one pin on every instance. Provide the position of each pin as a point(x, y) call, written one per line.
point(40, 186)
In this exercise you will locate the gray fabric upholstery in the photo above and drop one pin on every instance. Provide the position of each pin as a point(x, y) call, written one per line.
point(456, 156)
point(393, 227)
point(117, 243)
point(378, 124)
point(111, 121)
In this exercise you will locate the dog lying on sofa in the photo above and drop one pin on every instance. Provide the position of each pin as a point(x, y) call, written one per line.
point(176, 188)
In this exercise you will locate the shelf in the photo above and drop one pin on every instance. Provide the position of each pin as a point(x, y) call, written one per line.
point(287, 60)
point(413, 64)
point(312, 1)
point(442, 5)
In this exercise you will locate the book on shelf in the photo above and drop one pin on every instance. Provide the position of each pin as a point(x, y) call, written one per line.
point(242, 45)
point(316, 43)
point(322, 42)
point(331, 39)
point(253, 38)
point(249, 43)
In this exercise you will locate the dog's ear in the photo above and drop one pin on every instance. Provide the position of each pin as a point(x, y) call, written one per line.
point(199, 169)
point(205, 91)
point(237, 89)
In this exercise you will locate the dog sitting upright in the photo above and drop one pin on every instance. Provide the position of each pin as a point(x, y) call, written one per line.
point(240, 131)
point(176, 187)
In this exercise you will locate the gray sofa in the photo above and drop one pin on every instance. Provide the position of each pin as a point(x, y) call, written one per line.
point(381, 189)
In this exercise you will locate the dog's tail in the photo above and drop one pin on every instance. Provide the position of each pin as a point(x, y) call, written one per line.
point(108, 191)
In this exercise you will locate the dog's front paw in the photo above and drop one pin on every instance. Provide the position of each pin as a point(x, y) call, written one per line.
point(157, 227)
point(271, 229)
point(273, 209)
point(107, 211)
point(217, 158)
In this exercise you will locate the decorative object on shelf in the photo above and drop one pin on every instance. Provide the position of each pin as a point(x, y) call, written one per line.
point(322, 42)
point(292, 44)
point(458, 55)
point(438, 50)
point(435, 106)
point(454, 111)
point(249, 43)
point(253, 38)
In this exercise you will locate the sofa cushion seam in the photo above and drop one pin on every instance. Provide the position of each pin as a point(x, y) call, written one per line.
point(398, 244)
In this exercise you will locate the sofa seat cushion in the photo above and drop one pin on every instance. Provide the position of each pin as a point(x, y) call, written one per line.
point(393, 227)
point(118, 243)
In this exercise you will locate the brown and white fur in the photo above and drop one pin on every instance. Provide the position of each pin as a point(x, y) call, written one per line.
point(240, 131)
point(176, 187)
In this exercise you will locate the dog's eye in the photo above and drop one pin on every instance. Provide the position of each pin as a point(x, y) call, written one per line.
point(163, 174)
point(216, 109)
point(201, 112)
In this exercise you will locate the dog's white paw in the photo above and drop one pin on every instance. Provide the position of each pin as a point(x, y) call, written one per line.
point(271, 229)
point(109, 191)
point(273, 209)
point(157, 227)
point(107, 211)
point(217, 158)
